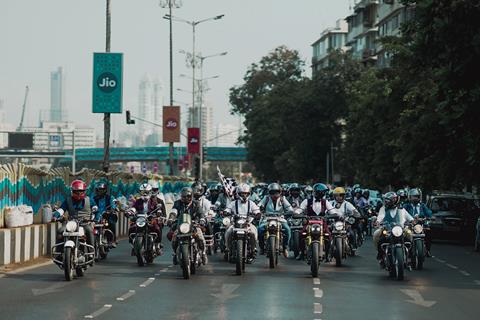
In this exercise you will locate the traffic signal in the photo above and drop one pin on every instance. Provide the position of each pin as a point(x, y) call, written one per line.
point(129, 120)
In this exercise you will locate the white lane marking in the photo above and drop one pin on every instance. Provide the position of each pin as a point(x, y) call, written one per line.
point(226, 292)
point(318, 292)
point(317, 308)
point(417, 298)
point(451, 266)
point(156, 274)
point(316, 281)
point(103, 309)
point(147, 283)
point(440, 260)
point(477, 282)
point(465, 273)
point(164, 270)
point(126, 295)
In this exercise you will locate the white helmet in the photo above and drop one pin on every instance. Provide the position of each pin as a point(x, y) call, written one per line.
point(243, 191)
point(145, 190)
point(155, 188)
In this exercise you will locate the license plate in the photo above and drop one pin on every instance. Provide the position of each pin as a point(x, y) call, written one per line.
point(71, 234)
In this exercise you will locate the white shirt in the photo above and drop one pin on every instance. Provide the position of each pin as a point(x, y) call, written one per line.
point(205, 205)
point(317, 207)
point(282, 205)
point(404, 215)
point(242, 208)
point(346, 208)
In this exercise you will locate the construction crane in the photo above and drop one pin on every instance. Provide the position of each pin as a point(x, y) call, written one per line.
point(20, 126)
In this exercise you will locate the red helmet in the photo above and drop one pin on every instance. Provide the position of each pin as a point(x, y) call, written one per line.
point(78, 188)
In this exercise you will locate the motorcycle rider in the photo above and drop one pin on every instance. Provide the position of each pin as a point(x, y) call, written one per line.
point(78, 205)
point(390, 212)
point(215, 192)
point(346, 208)
point(318, 206)
point(198, 195)
point(186, 205)
point(223, 200)
point(403, 197)
point(156, 191)
point(106, 202)
point(294, 197)
point(243, 207)
point(418, 209)
point(275, 204)
point(146, 203)
point(358, 200)
point(308, 192)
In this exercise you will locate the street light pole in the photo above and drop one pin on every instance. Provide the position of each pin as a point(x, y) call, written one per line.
point(106, 117)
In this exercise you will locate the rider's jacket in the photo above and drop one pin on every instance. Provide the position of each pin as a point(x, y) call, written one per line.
point(346, 208)
point(295, 202)
point(314, 207)
point(360, 202)
point(396, 216)
point(193, 209)
point(281, 206)
point(76, 209)
point(204, 204)
point(222, 201)
point(243, 209)
point(145, 206)
point(104, 203)
point(420, 210)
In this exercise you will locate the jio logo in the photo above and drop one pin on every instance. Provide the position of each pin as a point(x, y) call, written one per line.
point(171, 124)
point(107, 82)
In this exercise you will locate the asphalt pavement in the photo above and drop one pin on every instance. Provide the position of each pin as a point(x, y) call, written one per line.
point(116, 288)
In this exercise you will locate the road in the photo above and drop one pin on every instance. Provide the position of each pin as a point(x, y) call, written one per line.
point(448, 288)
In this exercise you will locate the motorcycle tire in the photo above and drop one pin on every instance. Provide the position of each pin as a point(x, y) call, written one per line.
point(103, 253)
point(338, 251)
point(399, 263)
point(79, 271)
point(296, 244)
point(315, 263)
point(68, 264)
point(193, 262)
point(239, 258)
point(419, 254)
point(97, 250)
point(138, 246)
point(185, 261)
point(272, 251)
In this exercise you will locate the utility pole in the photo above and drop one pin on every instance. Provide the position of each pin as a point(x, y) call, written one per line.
point(106, 118)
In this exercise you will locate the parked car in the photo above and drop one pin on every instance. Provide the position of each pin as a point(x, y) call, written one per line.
point(454, 216)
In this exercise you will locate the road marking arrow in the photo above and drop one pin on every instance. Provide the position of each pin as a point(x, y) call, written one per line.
point(226, 293)
point(417, 298)
point(57, 287)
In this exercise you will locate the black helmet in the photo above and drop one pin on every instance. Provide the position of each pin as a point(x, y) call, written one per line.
point(390, 200)
point(186, 195)
point(101, 188)
point(197, 190)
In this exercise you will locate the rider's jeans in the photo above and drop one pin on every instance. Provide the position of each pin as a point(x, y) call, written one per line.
point(287, 233)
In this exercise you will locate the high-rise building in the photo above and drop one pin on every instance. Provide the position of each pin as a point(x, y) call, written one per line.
point(330, 39)
point(150, 108)
point(207, 122)
point(158, 106)
point(57, 95)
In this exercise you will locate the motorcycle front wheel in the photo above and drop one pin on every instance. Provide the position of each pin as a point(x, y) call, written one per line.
point(272, 245)
point(239, 259)
point(338, 251)
point(185, 261)
point(399, 263)
point(296, 243)
point(138, 246)
point(68, 263)
point(314, 266)
point(419, 254)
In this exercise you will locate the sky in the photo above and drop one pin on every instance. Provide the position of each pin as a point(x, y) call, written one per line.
point(36, 37)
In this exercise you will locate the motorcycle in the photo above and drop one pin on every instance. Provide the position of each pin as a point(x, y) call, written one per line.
point(314, 241)
point(73, 253)
point(371, 218)
point(209, 236)
point(145, 247)
point(394, 250)
point(354, 239)
point(188, 252)
point(273, 239)
point(338, 239)
point(240, 246)
point(419, 249)
point(295, 223)
point(220, 236)
point(103, 236)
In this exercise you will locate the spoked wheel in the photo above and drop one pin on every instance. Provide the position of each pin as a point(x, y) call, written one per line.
point(239, 258)
point(68, 263)
point(271, 251)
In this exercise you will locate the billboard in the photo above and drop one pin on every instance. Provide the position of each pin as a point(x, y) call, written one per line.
point(193, 140)
point(20, 140)
point(107, 82)
point(171, 124)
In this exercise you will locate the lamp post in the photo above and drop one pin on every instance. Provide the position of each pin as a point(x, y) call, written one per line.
point(106, 116)
point(171, 4)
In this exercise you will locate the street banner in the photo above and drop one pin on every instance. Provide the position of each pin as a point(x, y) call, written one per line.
point(193, 140)
point(107, 82)
point(171, 124)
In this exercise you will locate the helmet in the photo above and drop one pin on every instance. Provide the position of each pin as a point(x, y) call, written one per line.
point(357, 190)
point(274, 188)
point(338, 191)
point(197, 190)
point(101, 188)
point(186, 195)
point(77, 189)
point(308, 190)
point(155, 188)
point(366, 194)
point(401, 193)
point(356, 186)
point(294, 189)
point(219, 187)
point(320, 190)
point(390, 200)
point(145, 190)
point(414, 195)
point(243, 191)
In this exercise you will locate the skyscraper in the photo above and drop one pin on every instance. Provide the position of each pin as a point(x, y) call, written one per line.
point(57, 95)
point(150, 103)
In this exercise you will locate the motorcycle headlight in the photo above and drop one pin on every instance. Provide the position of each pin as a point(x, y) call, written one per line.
point(316, 228)
point(272, 224)
point(338, 225)
point(297, 222)
point(71, 226)
point(141, 222)
point(184, 227)
point(418, 228)
point(397, 231)
point(241, 221)
point(226, 221)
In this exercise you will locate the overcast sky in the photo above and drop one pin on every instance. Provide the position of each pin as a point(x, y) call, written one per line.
point(37, 36)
